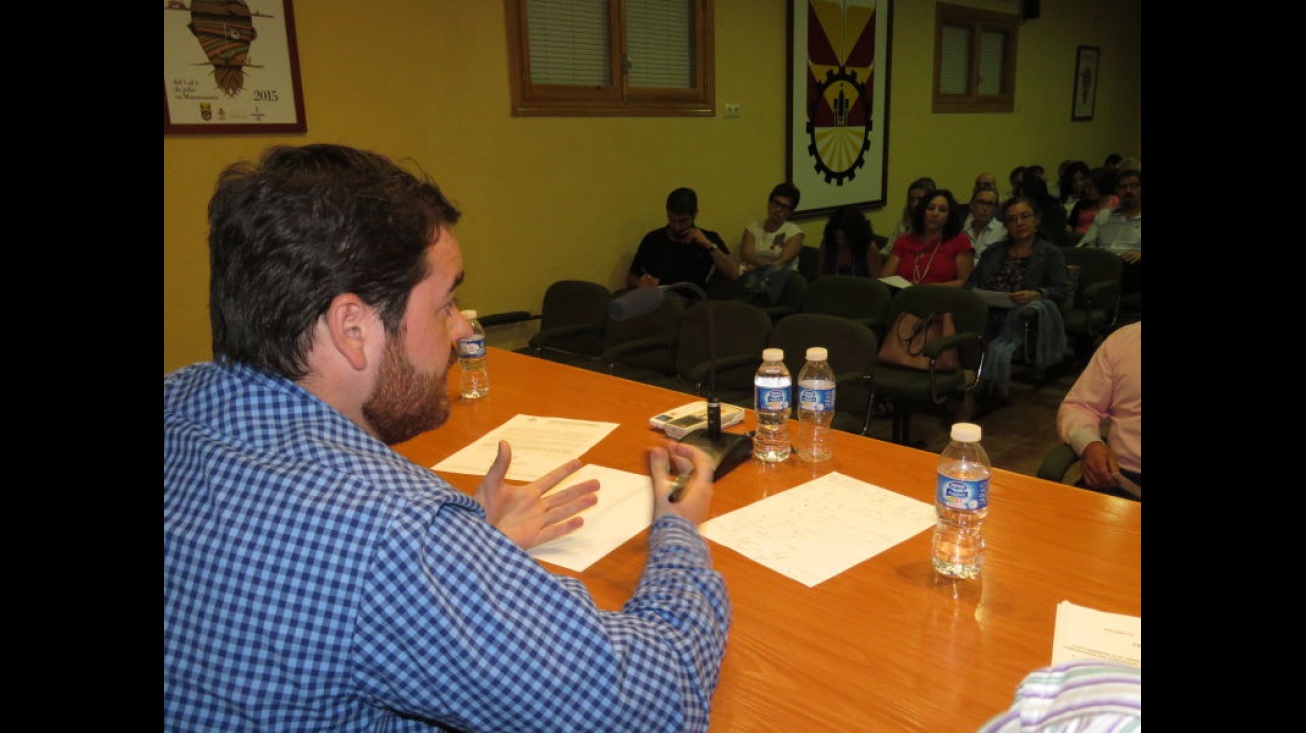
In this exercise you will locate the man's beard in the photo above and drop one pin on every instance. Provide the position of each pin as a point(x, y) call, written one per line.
point(405, 403)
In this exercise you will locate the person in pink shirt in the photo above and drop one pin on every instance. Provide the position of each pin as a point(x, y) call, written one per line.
point(1110, 388)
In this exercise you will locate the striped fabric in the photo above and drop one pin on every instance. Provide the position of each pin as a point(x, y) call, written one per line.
point(1084, 696)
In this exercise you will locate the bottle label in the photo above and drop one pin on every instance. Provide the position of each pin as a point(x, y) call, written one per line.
point(772, 398)
point(471, 348)
point(816, 400)
point(956, 493)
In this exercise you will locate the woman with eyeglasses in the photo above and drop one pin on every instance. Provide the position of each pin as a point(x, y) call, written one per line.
point(1032, 271)
point(774, 240)
point(936, 251)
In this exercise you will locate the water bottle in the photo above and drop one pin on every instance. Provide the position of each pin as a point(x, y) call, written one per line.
point(771, 388)
point(815, 407)
point(961, 501)
point(475, 379)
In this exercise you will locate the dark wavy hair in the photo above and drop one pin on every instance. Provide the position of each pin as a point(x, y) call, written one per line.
point(302, 226)
point(1066, 186)
point(855, 226)
point(951, 227)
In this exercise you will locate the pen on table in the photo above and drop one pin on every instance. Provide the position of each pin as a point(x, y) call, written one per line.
point(678, 486)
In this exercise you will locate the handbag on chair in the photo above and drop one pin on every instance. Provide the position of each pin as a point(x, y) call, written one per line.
point(905, 343)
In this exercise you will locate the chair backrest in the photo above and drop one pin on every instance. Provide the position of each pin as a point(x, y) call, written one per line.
point(1095, 265)
point(969, 312)
point(662, 324)
point(741, 329)
point(572, 303)
point(860, 298)
point(809, 259)
point(852, 349)
point(1096, 304)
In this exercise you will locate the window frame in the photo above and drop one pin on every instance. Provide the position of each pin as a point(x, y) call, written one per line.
point(977, 21)
point(619, 98)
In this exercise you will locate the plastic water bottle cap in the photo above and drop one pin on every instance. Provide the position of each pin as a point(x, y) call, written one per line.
point(966, 432)
point(469, 314)
point(817, 353)
point(773, 354)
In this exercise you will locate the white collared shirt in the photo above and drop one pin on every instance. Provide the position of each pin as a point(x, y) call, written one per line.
point(992, 232)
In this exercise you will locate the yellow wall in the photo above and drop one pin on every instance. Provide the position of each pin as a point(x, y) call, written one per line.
point(551, 198)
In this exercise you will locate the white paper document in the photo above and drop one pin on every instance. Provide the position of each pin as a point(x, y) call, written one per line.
point(625, 508)
point(896, 281)
point(994, 298)
point(1086, 633)
point(539, 445)
point(815, 531)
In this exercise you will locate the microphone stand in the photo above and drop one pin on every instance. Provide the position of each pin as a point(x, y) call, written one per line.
point(726, 449)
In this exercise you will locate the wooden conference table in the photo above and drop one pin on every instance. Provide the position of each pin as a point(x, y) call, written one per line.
point(886, 645)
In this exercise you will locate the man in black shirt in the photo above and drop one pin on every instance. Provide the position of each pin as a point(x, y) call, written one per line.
point(681, 251)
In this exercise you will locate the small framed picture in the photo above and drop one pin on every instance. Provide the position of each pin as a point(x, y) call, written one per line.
point(230, 66)
point(1085, 83)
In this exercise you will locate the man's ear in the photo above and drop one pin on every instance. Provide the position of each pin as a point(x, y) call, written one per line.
point(352, 324)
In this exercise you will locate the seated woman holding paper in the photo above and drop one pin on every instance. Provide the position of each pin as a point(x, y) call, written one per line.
point(936, 251)
point(1023, 278)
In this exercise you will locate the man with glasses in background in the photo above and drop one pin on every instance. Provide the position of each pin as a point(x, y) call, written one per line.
point(1120, 230)
point(982, 226)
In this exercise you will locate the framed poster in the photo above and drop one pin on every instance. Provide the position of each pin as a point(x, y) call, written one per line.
point(230, 66)
point(838, 102)
point(1086, 58)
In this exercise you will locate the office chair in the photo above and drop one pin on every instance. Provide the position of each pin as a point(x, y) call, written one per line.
point(863, 299)
point(572, 317)
point(643, 348)
point(852, 350)
point(1057, 463)
point(1096, 305)
point(907, 388)
point(741, 334)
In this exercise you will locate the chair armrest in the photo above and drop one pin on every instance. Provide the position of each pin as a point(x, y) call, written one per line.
point(1056, 463)
point(1102, 294)
point(630, 348)
point(501, 319)
point(698, 373)
point(543, 338)
point(965, 338)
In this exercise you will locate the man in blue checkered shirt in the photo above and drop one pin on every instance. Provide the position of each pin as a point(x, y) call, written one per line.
point(314, 579)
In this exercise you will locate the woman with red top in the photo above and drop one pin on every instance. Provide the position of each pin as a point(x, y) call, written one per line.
point(936, 251)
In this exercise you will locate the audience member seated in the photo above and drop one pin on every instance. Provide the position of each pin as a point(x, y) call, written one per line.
point(1015, 177)
point(1120, 230)
point(769, 249)
point(986, 180)
point(1070, 187)
point(915, 192)
point(1112, 161)
point(1098, 193)
point(941, 254)
point(983, 225)
point(1033, 271)
point(847, 246)
point(1051, 214)
point(681, 251)
point(1109, 389)
point(1081, 696)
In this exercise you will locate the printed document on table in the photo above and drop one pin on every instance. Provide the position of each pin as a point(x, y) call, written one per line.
point(1086, 633)
point(539, 445)
point(815, 531)
point(625, 508)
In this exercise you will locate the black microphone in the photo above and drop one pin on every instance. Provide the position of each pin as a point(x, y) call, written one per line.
point(726, 449)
